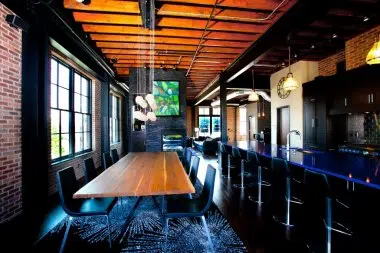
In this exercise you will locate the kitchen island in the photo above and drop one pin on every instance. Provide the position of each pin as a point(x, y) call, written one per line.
point(353, 168)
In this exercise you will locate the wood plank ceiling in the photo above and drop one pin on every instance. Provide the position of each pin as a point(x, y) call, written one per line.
point(115, 27)
point(326, 35)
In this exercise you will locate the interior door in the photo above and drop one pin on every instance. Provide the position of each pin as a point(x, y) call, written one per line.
point(283, 124)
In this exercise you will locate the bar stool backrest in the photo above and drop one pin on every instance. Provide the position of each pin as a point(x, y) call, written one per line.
point(236, 152)
point(280, 173)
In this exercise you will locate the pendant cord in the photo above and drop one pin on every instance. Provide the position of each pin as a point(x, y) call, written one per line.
point(290, 70)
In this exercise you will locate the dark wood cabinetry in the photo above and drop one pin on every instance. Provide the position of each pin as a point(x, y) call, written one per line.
point(328, 98)
point(314, 115)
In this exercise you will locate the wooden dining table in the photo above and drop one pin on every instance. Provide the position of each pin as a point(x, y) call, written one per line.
point(140, 174)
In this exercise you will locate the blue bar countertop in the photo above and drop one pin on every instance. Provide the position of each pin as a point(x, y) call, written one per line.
point(359, 169)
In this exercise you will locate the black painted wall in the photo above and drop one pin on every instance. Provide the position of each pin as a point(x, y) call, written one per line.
point(152, 137)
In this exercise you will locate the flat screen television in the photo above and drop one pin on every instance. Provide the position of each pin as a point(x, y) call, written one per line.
point(166, 96)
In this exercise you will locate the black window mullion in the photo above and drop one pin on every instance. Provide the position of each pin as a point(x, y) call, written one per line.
point(71, 114)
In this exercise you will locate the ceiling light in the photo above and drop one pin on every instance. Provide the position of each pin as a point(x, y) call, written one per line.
point(253, 97)
point(80, 1)
point(290, 83)
point(365, 18)
point(373, 56)
point(334, 36)
point(215, 103)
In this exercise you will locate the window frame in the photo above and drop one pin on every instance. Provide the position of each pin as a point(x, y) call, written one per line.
point(211, 115)
point(117, 118)
point(72, 71)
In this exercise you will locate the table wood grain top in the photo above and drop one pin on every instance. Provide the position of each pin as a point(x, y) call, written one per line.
point(140, 174)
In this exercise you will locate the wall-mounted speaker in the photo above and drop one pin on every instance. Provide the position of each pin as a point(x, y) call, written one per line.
point(17, 22)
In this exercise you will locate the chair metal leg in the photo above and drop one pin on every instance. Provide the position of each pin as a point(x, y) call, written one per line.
point(258, 200)
point(109, 232)
point(229, 168)
point(207, 233)
point(166, 230)
point(286, 220)
point(66, 235)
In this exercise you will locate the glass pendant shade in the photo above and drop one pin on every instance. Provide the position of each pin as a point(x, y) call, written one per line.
point(253, 97)
point(290, 83)
point(151, 116)
point(373, 56)
point(140, 116)
point(141, 102)
point(150, 99)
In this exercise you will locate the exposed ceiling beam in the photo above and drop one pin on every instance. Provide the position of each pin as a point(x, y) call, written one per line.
point(168, 32)
point(264, 5)
point(126, 19)
point(168, 40)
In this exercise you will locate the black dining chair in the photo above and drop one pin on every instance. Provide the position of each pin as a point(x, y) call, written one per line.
point(107, 160)
point(320, 202)
point(191, 208)
point(194, 169)
point(67, 185)
point(282, 181)
point(114, 155)
point(89, 170)
point(183, 156)
point(189, 154)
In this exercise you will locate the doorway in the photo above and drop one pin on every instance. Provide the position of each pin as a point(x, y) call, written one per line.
point(283, 124)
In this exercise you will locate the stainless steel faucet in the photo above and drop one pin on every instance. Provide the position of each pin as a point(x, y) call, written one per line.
point(288, 140)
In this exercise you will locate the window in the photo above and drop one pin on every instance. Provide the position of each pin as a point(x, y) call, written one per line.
point(115, 119)
point(209, 125)
point(243, 120)
point(70, 109)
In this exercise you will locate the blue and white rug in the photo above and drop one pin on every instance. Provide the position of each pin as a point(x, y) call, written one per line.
point(144, 232)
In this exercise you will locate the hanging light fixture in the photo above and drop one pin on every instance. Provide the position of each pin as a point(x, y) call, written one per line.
point(258, 109)
point(253, 97)
point(290, 83)
point(151, 116)
point(373, 56)
point(263, 110)
point(141, 101)
point(150, 99)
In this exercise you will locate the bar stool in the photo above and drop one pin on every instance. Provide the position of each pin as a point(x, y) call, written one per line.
point(222, 156)
point(254, 163)
point(282, 180)
point(230, 163)
point(244, 163)
point(319, 200)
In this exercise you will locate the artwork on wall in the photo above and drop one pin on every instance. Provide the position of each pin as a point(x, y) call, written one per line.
point(166, 96)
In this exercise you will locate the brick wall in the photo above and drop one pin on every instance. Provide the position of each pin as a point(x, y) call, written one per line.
point(358, 47)
point(356, 50)
point(77, 162)
point(10, 119)
point(327, 66)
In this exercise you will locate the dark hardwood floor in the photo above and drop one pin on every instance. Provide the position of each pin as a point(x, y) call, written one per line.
point(254, 223)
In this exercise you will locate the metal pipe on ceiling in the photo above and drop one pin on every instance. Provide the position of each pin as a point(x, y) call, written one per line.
point(201, 39)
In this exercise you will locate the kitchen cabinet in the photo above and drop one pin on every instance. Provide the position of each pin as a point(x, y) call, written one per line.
point(315, 115)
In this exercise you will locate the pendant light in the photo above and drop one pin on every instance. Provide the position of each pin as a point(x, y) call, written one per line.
point(290, 83)
point(263, 111)
point(258, 109)
point(373, 56)
point(253, 97)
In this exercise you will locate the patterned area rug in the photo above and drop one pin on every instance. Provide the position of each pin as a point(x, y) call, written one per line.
point(144, 232)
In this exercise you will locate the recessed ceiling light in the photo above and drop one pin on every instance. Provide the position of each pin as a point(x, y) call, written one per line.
point(80, 1)
point(312, 46)
point(334, 36)
point(365, 18)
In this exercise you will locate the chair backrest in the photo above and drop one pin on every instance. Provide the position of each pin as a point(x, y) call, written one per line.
point(114, 155)
point(184, 151)
point(253, 160)
point(316, 189)
point(208, 189)
point(107, 160)
point(236, 152)
point(189, 154)
point(280, 173)
point(194, 169)
point(89, 170)
point(222, 148)
point(67, 185)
